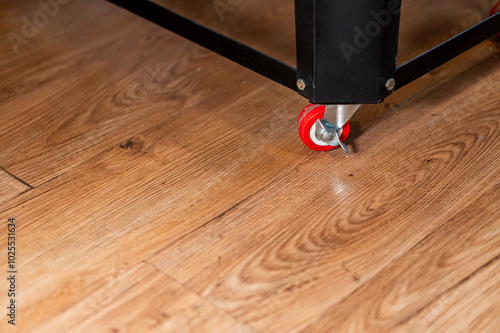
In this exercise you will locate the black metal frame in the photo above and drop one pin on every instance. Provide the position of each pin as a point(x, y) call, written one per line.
point(346, 50)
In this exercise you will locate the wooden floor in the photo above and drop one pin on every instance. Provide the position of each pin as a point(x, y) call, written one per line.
point(157, 187)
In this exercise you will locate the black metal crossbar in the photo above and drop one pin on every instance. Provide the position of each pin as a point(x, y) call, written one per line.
point(445, 52)
point(213, 41)
point(321, 27)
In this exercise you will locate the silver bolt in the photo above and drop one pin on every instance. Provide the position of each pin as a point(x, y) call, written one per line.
point(390, 84)
point(325, 136)
point(301, 84)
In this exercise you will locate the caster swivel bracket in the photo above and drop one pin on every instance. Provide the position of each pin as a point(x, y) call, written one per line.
point(329, 134)
point(339, 115)
point(328, 129)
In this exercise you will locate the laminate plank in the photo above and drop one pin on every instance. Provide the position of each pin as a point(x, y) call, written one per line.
point(312, 238)
point(270, 25)
point(426, 23)
point(444, 283)
point(71, 92)
point(126, 203)
point(204, 176)
point(463, 309)
point(77, 113)
point(10, 187)
point(178, 176)
point(142, 299)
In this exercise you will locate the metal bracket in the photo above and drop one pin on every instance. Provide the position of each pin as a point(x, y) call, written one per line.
point(329, 128)
point(339, 115)
point(346, 50)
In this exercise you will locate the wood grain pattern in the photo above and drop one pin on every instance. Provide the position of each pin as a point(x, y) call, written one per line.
point(317, 235)
point(87, 114)
point(159, 303)
point(462, 307)
point(171, 191)
point(177, 180)
point(442, 264)
point(88, 85)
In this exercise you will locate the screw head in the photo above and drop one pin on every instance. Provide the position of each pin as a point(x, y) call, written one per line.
point(390, 84)
point(301, 84)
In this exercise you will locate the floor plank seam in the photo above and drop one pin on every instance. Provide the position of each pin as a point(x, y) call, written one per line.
point(79, 164)
point(407, 242)
point(118, 142)
point(199, 295)
point(17, 179)
point(204, 224)
point(22, 202)
point(17, 196)
point(47, 181)
point(455, 286)
point(390, 263)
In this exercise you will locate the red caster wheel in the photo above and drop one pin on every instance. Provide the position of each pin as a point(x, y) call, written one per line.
point(307, 124)
point(494, 10)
